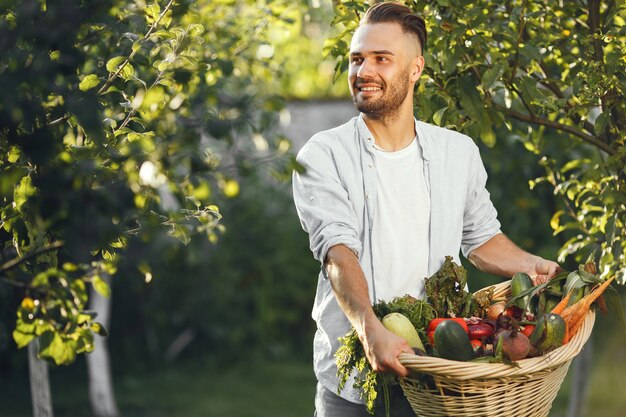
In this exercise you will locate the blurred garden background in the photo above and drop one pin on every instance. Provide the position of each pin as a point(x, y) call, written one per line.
point(147, 147)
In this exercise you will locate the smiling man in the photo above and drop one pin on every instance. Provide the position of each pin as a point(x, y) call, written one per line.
point(384, 198)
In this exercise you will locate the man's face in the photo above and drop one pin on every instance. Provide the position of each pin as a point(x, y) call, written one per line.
point(380, 72)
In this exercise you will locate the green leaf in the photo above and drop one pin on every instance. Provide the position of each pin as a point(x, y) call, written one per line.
point(579, 279)
point(53, 346)
point(601, 122)
point(531, 51)
point(195, 29)
point(166, 34)
point(41, 279)
point(554, 222)
point(22, 339)
point(488, 136)
point(101, 286)
point(438, 116)
point(614, 304)
point(99, 329)
point(574, 281)
point(181, 233)
point(153, 12)
point(23, 191)
point(84, 341)
point(14, 154)
point(574, 164)
point(83, 318)
point(114, 63)
point(79, 290)
point(490, 76)
point(127, 72)
point(89, 82)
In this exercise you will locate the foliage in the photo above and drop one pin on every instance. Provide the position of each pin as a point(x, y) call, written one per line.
point(249, 295)
point(545, 71)
point(297, 55)
point(118, 120)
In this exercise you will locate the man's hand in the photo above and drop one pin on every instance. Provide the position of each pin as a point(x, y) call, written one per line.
point(500, 256)
point(382, 348)
point(544, 271)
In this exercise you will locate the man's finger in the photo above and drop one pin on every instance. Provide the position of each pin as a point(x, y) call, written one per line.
point(399, 369)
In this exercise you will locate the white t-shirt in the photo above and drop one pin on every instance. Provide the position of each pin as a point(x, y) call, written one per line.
point(401, 224)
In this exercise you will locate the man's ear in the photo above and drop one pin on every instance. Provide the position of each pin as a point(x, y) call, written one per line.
point(417, 68)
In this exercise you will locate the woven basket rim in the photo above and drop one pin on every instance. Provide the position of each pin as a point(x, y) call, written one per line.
point(471, 370)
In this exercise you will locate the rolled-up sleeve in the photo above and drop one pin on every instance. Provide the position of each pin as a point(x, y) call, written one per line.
point(322, 202)
point(480, 219)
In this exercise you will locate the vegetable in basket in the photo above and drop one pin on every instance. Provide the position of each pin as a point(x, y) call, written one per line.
point(452, 341)
point(446, 292)
point(446, 296)
point(350, 356)
point(549, 333)
point(400, 325)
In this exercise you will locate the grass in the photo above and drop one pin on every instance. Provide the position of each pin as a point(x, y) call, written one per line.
point(263, 390)
point(284, 389)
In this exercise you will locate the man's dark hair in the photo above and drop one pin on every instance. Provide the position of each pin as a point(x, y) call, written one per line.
point(392, 12)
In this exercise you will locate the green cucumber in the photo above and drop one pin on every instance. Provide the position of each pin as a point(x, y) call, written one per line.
point(452, 341)
point(520, 283)
point(549, 333)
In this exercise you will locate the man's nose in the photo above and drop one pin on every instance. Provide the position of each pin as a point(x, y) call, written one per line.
point(365, 69)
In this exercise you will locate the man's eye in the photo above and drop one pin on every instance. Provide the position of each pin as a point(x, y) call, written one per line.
point(382, 59)
point(357, 60)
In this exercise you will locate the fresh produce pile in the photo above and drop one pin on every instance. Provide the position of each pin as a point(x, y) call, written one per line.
point(457, 325)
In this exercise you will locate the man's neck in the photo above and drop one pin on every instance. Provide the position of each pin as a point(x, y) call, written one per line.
point(392, 134)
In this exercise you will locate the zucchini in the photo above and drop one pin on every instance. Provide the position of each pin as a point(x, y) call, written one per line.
point(549, 333)
point(520, 283)
point(452, 341)
point(400, 325)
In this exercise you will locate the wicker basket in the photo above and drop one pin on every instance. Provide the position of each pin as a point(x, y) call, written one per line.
point(491, 389)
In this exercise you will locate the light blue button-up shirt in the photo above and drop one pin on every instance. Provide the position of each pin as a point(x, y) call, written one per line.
point(336, 200)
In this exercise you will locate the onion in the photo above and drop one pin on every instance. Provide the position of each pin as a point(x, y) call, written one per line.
point(494, 311)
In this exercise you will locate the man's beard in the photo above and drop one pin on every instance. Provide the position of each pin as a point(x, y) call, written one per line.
point(386, 107)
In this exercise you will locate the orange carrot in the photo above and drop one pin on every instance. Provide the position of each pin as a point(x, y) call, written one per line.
point(574, 315)
point(558, 309)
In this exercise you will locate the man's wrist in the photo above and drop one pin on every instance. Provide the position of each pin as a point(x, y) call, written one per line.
point(370, 323)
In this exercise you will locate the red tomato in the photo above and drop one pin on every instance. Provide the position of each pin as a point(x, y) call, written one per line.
point(435, 322)
point(476, 343)
point(528, 329)
point(431, 337)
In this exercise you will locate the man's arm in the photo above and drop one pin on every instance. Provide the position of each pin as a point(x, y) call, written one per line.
point(500, 256)
point(381, 346)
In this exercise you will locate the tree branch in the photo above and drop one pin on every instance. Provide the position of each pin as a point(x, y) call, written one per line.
point(59, 120)
point(558, 126)
point(133, 110)
point(16, 261)
point(546, 82)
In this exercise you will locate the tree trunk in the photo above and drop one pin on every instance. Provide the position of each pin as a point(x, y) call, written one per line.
point(580, 382)
point(101, 394)
point(39, 382)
